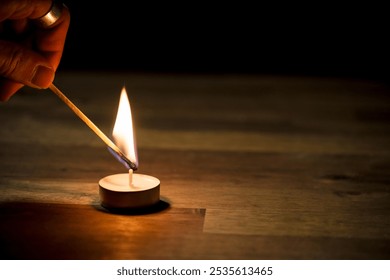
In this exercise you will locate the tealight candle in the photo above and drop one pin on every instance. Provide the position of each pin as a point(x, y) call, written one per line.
point(129, 191)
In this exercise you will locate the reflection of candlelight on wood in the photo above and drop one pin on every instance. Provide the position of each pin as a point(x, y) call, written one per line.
point(127, 190)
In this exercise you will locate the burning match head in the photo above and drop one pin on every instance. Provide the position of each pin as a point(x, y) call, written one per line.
point(123, 159)
point(128, 163)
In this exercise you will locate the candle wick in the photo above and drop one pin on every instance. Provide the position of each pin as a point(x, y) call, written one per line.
point(130, 177)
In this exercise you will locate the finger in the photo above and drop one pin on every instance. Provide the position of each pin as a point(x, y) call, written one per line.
point(50, 42)
point(24, 9)
point(23, 65)
point(14, 28)
point(8, 88)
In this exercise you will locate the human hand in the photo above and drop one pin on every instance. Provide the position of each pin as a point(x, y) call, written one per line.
point(29, 53)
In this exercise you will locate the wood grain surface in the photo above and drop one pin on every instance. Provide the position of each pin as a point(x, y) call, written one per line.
point(251, 167)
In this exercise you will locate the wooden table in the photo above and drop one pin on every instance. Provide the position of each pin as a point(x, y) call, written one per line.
point(251, 167)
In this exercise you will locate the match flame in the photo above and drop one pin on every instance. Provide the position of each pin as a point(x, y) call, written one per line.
point(123, 132)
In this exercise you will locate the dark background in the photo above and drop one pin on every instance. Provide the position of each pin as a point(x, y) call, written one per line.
point(228, 38)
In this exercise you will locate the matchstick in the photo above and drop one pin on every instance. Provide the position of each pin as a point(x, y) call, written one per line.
point(92, 126)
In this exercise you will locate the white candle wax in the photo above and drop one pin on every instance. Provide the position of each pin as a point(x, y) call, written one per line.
point(129, 191)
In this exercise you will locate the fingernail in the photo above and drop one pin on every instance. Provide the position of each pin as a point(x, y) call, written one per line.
point(43, 76)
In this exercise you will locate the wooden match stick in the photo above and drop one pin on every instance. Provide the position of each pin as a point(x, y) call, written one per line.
point(92, 126)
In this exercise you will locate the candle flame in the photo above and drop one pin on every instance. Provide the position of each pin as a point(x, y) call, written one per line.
point(123, 132)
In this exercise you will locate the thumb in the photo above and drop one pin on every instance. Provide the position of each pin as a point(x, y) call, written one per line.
point(24, 66)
